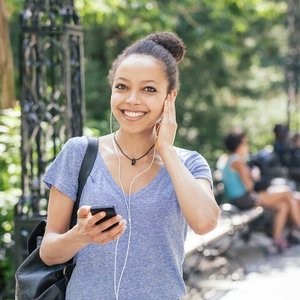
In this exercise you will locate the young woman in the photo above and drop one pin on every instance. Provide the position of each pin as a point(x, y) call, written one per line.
point(157, 189)
point(239, 188)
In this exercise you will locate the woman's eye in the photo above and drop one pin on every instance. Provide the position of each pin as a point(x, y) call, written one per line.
point(150, 89)
point(120, 86)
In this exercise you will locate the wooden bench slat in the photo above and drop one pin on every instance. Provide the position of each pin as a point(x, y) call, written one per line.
point(194, 241)
point(226, 226)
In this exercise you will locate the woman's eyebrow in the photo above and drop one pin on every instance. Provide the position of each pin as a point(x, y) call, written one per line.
point(122, 78)
point(143, 81)
point(149, 81)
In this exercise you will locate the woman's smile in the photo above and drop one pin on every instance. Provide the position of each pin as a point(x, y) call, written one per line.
point(133, 115)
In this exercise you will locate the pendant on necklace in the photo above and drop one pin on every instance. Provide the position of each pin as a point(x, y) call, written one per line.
point(133, 161)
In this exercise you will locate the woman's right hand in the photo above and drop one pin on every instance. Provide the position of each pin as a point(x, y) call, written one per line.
point(89, 233)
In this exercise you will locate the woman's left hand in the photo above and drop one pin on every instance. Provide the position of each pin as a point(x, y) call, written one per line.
point(166, 128)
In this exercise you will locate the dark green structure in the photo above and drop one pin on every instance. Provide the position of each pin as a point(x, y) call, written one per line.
point(52, 100)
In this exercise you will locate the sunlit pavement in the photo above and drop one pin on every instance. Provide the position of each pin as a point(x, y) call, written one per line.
point(273, 277)
point(276, 278)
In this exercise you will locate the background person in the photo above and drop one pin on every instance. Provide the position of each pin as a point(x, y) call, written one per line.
point(281, 143)
point(239, 188)
point(294, 159)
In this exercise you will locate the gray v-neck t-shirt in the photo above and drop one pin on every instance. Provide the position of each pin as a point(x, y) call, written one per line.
point(153, 267)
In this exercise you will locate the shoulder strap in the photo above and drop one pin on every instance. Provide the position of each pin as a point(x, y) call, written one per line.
point(38, 232)
point(85, 170)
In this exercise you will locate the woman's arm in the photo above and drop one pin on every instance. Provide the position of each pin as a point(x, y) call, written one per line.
point(241, 167)
point(61, 243)
point(195, 196)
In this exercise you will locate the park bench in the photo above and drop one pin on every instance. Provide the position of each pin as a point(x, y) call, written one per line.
point(233, 224)
point(212, 249)
point(231, 221)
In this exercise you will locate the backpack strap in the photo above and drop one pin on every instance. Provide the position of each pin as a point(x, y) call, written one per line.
point(38, 232)
point(85, 170)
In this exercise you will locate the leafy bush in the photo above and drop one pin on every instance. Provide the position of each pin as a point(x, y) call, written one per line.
point(10, 177)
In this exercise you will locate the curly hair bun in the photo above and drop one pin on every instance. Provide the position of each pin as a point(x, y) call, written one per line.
point(171, 42)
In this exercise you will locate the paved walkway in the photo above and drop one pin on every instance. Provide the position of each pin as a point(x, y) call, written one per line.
point(274, 277)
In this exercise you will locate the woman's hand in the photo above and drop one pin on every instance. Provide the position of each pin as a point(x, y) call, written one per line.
point(166, 128)
point(90, 233)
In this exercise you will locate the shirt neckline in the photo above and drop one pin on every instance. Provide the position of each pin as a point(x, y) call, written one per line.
point(116, 186)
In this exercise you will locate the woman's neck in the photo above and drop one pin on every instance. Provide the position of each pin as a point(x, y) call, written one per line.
point(134, 145)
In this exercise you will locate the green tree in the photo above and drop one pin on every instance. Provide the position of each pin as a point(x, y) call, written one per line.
point(234, 61)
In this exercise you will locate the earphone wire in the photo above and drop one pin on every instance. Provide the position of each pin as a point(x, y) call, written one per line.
point(127, 203)
point(128, 208)
point(111, 122)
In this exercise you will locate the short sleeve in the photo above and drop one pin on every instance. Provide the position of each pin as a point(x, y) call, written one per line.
point(64, 170)
point(196, 164)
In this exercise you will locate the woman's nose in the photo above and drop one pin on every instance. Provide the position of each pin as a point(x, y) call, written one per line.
point(133, 98)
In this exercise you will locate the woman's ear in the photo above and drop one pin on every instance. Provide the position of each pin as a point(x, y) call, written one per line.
point(173, 94)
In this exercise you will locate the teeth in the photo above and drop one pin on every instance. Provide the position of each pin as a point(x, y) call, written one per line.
point(133, 114)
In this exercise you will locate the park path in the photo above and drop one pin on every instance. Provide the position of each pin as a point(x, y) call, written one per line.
point(273, 277)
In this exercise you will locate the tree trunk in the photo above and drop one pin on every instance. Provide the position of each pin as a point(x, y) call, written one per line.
point(7, 93)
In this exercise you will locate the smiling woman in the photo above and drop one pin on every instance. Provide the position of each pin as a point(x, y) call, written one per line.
point(158, 190)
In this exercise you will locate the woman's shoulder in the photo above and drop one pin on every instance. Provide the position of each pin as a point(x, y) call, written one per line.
point(76, 144)
point(77, 140)
point(234, 157)
point(195, 163)
point(190, 156)
point(185, 153)
point(237, 162)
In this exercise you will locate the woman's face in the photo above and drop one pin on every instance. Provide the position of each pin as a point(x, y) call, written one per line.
point(139, 90)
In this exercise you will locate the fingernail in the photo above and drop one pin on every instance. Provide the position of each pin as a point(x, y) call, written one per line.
point(123, 222)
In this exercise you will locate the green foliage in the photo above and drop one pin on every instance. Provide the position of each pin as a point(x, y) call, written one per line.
point(7, 263)
point(10, 142)
point(234, 57)
point(10, 175)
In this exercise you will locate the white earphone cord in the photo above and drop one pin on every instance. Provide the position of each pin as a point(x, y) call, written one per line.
point(127, 203)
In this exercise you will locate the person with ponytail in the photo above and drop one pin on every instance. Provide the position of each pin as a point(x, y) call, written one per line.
point(158, 190)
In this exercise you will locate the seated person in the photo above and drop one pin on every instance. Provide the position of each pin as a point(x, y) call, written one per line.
point(294, 158)
point(239, 189)
point(281, 143)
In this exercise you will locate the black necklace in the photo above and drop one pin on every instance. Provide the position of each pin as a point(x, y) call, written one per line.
point(133, 160)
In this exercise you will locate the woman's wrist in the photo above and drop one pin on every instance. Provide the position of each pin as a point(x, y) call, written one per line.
point(166, 151)
point(75, 235)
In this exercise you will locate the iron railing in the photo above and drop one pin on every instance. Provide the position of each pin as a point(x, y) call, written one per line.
point(51, 97)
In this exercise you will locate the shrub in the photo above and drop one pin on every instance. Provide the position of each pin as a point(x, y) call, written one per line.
point(10, 178)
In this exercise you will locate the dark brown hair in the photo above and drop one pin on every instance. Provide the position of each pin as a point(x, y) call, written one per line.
point(234, 139)
point(166, 47)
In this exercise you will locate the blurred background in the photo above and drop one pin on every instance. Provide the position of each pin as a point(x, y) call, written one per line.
point(239, 70)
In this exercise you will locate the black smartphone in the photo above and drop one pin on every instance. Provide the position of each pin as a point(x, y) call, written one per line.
point(110, 212)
